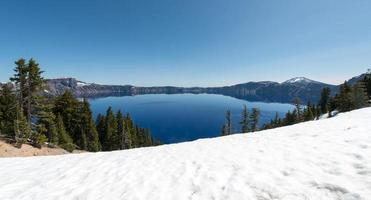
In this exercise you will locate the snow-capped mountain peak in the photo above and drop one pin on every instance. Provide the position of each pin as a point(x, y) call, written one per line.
point(81, 84)
point(299, 80)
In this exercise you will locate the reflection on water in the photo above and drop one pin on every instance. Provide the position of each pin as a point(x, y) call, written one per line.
point(184, 117)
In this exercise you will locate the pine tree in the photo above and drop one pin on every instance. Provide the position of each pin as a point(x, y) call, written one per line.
point(28, 81)
point(245, 120)
point(120, 129)
point(324, 100)
point(131, 131)
point(21, 129)
point(277, 120)
point(67, 106)
point(63, 138)
point(359, 95)
point(254, 119)
point(89, 139)
point(101, 128)
point(8, 105)
point(224, 131)
point(344, 98)
point(127, 134)
point(318, 112)
point(308, 114)
point(227, 127)
point(367, 81)
point(290, 118)
point(38, 136)
point(20, 80)
point(298, 110)
point(110, 131)
point(331, 104)
point(34, 84)
point(46, 120)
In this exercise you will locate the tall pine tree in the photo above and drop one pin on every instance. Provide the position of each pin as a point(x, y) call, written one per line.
point(89, 139)
point(227, 127)
point(254, 119)
point(245, 120)
point(8, 104)
point(110, 131)
point(324, 100)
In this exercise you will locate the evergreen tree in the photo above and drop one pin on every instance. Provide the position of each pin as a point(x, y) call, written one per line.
point(127, 135)
point(110, 131)
point(21, 129)
point(120, 129)
point(254, 119)
point(224, 131)
point(324, 100)
point(35, 83)
point(290, 118)
point(298, 110)
point(131, 131)
point(344, 98)
point(367, 82)
point(359, 95)
point(89, 139)
point(331, 104)
point(101, 128)
point(227, 127)
point(64, 140)
point(245, 120)
point(314, 111)
point(308, 114)
point(28, 81)
point(8, 105)
point(67, 106)
point(276, 121)
point(46, 120)
point(318, 112)
point(20, 81)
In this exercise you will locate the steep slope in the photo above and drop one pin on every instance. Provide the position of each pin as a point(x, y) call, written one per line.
point(325, 159)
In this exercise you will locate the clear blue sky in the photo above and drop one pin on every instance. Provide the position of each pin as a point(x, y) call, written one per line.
point(188, 42)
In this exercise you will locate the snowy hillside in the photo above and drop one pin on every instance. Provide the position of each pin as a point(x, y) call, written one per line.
point(325, 159)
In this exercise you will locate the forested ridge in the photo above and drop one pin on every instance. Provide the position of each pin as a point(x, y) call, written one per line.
point(349, 97)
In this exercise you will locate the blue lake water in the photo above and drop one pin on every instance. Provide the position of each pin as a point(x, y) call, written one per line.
point(185, 117)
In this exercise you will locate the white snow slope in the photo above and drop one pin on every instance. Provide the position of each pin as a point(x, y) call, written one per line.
point(325, 159)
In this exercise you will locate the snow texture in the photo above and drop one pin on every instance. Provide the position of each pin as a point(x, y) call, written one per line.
point(317, 160)
point(81, 84)
point(299, 80)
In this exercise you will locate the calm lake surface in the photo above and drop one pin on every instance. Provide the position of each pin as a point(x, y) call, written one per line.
point(185, 117)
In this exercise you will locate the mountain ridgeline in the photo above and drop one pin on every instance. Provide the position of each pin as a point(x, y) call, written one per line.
point(267, 91)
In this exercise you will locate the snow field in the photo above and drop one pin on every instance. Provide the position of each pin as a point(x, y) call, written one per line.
point(324, 159)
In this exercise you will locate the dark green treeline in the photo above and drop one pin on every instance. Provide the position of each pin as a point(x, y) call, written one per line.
point(29, 115)
point(348, 98)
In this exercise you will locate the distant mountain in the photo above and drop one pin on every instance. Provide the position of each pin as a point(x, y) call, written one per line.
point(355, 79)
point(303, 88)
point(267, 91)
point(82, 89)
point(300, 80)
